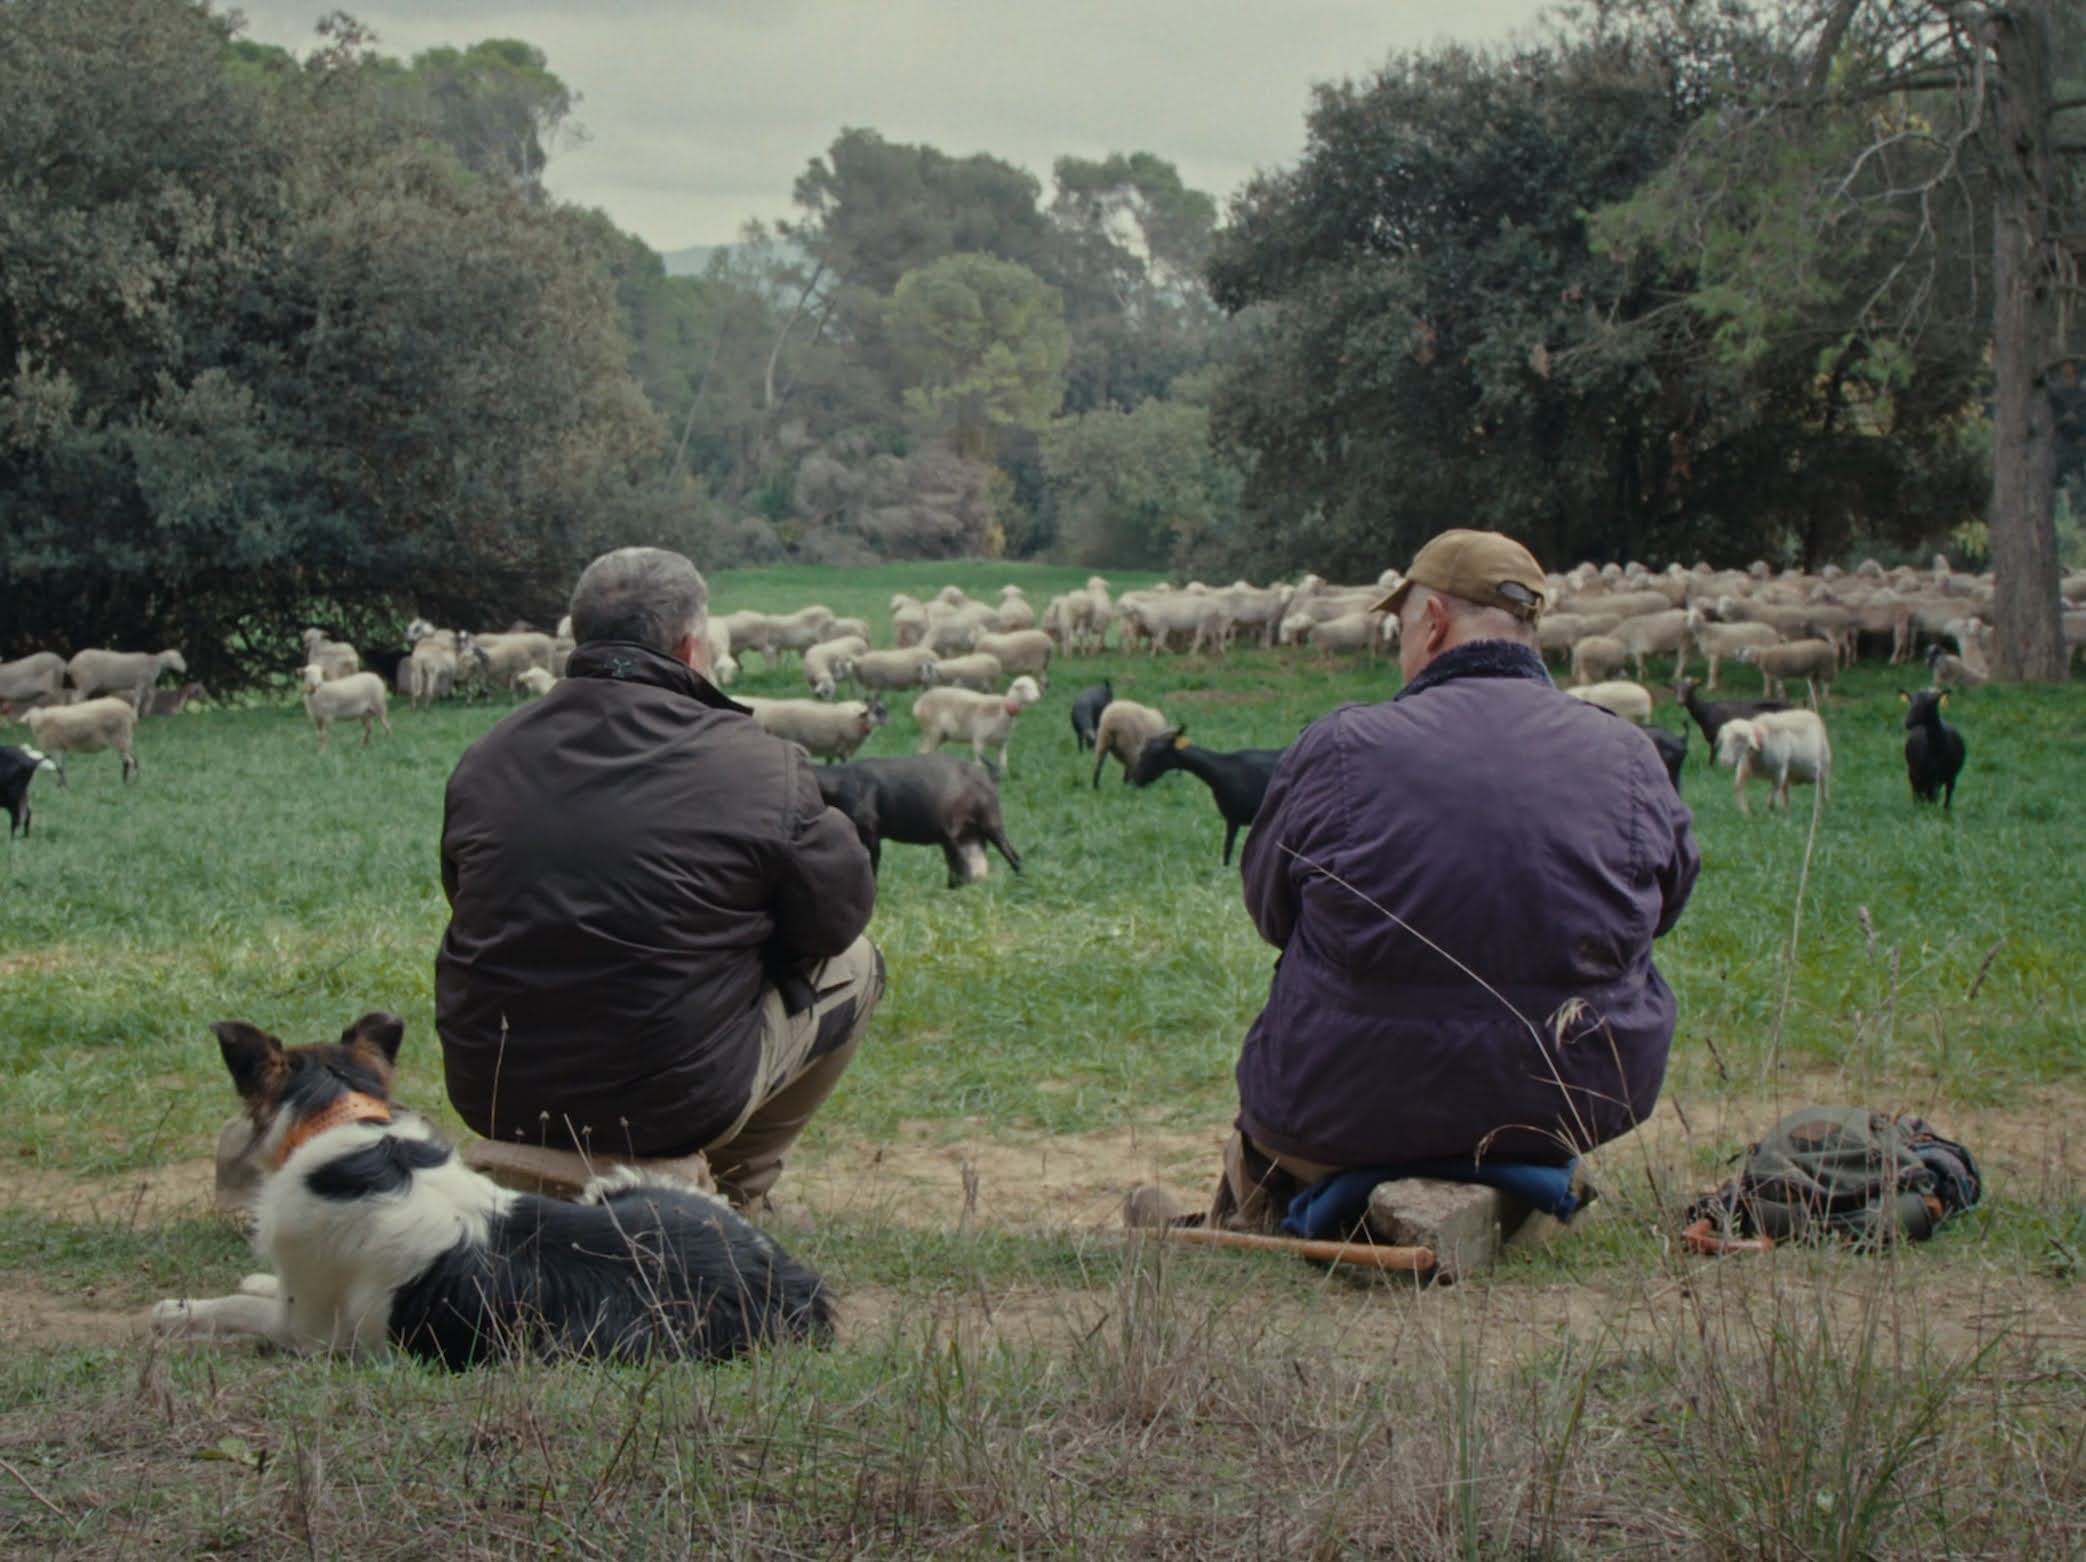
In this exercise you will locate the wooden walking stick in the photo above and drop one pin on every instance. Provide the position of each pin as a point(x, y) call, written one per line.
point(1363, 1255)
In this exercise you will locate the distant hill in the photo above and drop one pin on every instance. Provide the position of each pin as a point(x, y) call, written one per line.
point(690, 262)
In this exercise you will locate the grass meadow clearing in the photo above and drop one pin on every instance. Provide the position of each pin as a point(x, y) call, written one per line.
point(1013, 1378)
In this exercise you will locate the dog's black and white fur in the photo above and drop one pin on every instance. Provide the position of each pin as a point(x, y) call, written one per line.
point(378, 1237)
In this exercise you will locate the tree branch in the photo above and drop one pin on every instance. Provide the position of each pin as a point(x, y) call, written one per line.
point(2066, 105)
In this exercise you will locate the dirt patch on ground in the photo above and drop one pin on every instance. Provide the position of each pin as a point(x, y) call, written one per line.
point(150, 1196)
point(33, 1319)
point(1072, 1182)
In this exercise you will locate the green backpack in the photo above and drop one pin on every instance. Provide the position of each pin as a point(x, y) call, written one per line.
point(1836, 1171)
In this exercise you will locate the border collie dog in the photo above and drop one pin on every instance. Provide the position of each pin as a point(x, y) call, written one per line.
point(379, 1236)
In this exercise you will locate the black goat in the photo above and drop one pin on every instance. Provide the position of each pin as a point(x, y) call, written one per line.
point(1087, 706)
point(1934, 750)
point(922, 800)
point(1673, 749)
point(18, 767)
point(1711, 714)
point(1238, 780)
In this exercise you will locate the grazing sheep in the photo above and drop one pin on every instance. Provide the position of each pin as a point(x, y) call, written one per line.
point(1348, 632)
point(1710, 715)
point(1815, 660)
point(1237, 778)
point(335, 658)
point(536, 681)
point(1718, 642)
point(952, 635)
point(1123, 730)
point(827, 732)
point(909, 667)
point(171, 702)
point(1631, 701)
point(1020, 651)
point(978, 671)
point(801, 630)
point(1934, 751)
point(922, 800)
point(820, 661)
point(1951, 672)
point(1087, 706)
point(1649, 634)
point(1597, 658)
point(36, 679)
point(1784, 746)
point(985, 721)
point(432, 669)
point(130, 674)
point(357, 697)
point(86, 728)
point(908, 623)
point(18, 767)
point(502, 659)
point(747, 630)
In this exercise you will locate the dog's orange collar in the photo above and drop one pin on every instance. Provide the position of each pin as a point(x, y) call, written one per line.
point(354, 1107)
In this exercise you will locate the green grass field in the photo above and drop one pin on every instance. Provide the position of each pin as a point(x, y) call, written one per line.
point(1014, 1381)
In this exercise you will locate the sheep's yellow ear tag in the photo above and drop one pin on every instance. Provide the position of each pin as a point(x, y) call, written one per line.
point(1904, 698)
point(1181, 741)
point(1944, 697)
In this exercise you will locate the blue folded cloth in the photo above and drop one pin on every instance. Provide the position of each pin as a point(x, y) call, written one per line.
point(1332, 1206)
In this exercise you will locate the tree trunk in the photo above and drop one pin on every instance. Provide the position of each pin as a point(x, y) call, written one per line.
point(2029, 637)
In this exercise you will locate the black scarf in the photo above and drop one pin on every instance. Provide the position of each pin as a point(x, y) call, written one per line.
point(626, 660)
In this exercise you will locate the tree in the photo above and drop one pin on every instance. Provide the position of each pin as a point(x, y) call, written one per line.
point(268, 354)
point(982, 345)
point(1924, 124)
point(1138, 489)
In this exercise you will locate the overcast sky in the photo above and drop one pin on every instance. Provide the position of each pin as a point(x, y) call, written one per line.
point(700, 113)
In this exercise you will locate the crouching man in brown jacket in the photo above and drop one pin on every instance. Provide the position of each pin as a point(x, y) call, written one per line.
point(655, 935)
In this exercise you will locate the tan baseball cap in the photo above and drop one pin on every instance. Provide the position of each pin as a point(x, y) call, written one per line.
point(1488, 568)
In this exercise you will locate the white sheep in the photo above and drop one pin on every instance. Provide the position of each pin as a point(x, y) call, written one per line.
point(130, 674)
point(1785, 746)
point(1123, 730)
point(724, 667)
point(911, 667)
point(978, 671)
point(820, 661)
point(1719, 642)
point(1814, 660)
point(36, 679)
point(1596, 658)
point(827, 731)
point(535, 681)
point(1020, 651)
point(86, 728)
point(985, 721)
point(1348, 632)
point(1648, 634)
point(358, 697)
point(504, 658)
point(1631, 701)
point(336, 658)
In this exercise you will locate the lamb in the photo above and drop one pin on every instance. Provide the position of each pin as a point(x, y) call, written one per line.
point(36, 679)
point(1815, 660)
point(1710, 715)
point(985, 721)
point(910, 667)
point(1596, 658)
point(335, 658)
point(128, 673)
point(1087, 706)
point(1785, 746)
point(1238, 779)
point(357, 697)
point(922, 800)
point(1951, 672)
point(827, 732)
point(1717, 641)
point(1631, 701)
point(1934, 750)
point(536, 681)
point(18, 767)
point(86, 728)
point(820, 660)
point(1020, 651)
point(978, 671)
point(1124, 729)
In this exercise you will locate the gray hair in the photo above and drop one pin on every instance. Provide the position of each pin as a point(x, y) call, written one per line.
point(1473, 620)
point(649, 595)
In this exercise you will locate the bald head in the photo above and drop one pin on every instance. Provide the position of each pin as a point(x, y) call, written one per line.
point(1431, 622)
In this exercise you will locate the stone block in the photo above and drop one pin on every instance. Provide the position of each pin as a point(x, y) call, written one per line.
point(1465, 1223)
point(561, 1174)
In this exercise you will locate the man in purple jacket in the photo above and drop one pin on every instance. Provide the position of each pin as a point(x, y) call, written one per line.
point(1464, 884)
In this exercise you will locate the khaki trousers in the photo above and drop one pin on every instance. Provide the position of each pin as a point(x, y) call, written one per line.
point(802, 1058)
point(1258, 1183)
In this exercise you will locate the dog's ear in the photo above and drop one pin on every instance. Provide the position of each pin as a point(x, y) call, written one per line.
point(252, 1057)
point(385, 1032)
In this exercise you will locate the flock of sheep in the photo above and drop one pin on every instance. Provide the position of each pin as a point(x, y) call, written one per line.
point(978, 665)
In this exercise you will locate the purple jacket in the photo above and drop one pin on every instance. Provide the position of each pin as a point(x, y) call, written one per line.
point(1534, 838)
